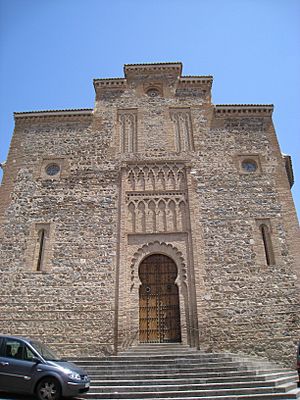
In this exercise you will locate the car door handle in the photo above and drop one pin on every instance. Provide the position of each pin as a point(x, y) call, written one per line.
point(4, 364)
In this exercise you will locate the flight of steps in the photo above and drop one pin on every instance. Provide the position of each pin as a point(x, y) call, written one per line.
point(175, 371)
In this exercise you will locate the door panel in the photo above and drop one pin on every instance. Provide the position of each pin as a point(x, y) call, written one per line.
point(159, 300)
point(16, 372)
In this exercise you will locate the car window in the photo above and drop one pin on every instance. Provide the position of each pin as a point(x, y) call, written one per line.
point(44, 351)
point(17, 349)
point(28, 354)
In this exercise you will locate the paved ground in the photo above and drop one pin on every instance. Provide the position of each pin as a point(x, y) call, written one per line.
point(6, 396)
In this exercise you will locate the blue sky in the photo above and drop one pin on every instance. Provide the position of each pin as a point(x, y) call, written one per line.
point(50, 50)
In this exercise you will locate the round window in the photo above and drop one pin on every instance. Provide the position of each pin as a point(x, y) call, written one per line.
point(52, 169)
point(153, 92)
point(249, 165)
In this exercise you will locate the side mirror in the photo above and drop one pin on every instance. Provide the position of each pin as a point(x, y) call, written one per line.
point(35, 360)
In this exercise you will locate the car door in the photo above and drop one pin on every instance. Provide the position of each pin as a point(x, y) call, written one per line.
point(16, 366)
point(2, 363)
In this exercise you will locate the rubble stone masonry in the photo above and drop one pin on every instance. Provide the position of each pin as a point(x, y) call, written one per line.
point(154, 168)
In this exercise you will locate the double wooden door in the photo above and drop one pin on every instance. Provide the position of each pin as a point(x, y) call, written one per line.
point(159, 317)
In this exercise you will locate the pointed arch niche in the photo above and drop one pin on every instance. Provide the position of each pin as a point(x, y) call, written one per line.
point(187, 307)
point(159, 315)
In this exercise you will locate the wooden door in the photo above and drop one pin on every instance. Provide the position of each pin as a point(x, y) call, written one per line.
point(158, 301)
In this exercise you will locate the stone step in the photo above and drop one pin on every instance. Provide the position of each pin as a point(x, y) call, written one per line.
point(142, 362)
point(111, 387)
point(239, 376)
point(175, 365)
point(158, 358)
point(188, 375)
point(293, 395)
point(160, 349)
point(155, 346)
point(120, 393)
point(194, 355)
point(157, 352)
point(264, 380)
point(200, 369)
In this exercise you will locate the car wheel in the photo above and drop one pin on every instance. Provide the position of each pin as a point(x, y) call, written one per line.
point(48, 389)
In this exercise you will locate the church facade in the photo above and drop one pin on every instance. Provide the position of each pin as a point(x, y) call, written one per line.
point(155, 217)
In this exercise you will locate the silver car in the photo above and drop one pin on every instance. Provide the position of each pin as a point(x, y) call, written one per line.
point(29, 367)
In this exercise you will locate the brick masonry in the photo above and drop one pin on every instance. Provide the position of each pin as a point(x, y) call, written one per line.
point(154, 168)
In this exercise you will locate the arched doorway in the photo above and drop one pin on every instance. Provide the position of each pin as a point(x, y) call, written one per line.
point(159, 317)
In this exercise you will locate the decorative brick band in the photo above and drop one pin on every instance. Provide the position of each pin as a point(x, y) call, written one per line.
point(242, 109)
point(84, 112)
point(112, 83)
point(153, 67)
point(195, 80)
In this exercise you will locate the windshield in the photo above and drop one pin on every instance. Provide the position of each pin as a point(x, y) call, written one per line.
point(45, 352)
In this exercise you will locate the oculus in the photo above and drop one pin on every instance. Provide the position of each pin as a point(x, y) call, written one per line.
point(153, 92)
point(249, 165)
point(52, 169)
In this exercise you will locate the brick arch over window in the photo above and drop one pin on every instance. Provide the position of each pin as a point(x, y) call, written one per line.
point(158, 248)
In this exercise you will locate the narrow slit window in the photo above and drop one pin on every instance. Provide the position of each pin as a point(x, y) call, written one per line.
point(266, 237)
point(42, 239)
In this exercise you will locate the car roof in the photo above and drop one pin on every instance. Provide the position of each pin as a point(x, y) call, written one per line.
point(16, 337)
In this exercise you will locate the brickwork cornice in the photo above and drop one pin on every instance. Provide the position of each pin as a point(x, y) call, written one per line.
point(57, 114)
point(237, 110)
point(110, 83)
point(194, 80)
point(169, 67)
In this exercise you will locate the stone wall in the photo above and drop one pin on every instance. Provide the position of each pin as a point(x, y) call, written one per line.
point(154, 168)
point(70, 302)
point(252, 307)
